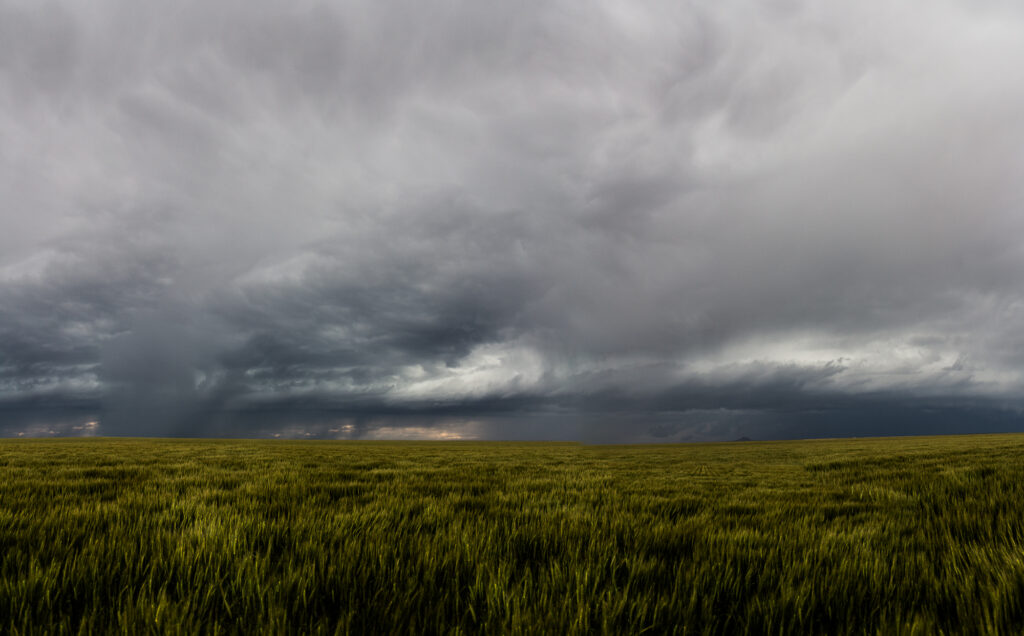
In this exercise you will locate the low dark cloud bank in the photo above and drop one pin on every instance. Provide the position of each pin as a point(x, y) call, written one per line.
point(569, 220)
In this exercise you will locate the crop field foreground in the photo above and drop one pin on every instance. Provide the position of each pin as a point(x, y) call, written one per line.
point(873, 536)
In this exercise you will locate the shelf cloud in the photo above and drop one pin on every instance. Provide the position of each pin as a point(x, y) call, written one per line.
point(600, 221)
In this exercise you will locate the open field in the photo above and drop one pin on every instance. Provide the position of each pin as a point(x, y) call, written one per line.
point(902, 535)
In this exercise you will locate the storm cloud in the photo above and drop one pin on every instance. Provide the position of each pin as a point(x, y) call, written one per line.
point(605, 221)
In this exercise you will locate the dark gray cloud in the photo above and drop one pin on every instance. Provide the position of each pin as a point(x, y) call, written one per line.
point(567, 220)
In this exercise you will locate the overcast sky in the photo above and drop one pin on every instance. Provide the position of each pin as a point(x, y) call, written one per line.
point(604, 221)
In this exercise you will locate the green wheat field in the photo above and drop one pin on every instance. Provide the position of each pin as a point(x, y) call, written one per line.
point(872, 536)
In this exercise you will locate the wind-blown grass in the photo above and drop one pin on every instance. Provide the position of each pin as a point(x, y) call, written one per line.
point(911, 535)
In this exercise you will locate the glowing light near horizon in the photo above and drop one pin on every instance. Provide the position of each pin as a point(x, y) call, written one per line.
point(427, 433)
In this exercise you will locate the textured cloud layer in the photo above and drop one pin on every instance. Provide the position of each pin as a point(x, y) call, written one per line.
point(571, 219)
